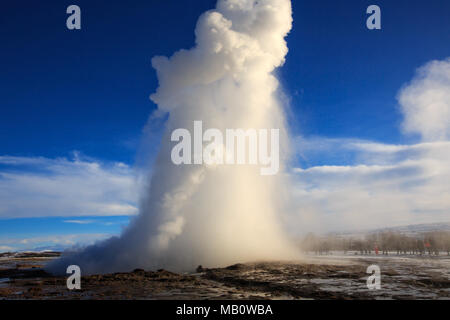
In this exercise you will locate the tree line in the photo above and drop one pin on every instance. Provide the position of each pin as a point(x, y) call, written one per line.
point(385, 243)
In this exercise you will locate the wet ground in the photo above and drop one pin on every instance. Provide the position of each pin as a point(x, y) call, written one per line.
point(316, 277)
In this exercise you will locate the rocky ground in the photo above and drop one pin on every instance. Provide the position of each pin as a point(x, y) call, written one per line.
point(317, 277)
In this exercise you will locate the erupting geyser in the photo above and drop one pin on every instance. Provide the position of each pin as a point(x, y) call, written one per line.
point(203, 214)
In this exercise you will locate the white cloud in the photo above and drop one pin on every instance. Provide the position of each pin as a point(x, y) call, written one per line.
point(425, 102)
point(37, 187)
point(56, 242)
point(385, 184)
point(407, 190)
point(79, 221)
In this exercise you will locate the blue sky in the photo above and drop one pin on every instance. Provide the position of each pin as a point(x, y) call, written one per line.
point(73, 104)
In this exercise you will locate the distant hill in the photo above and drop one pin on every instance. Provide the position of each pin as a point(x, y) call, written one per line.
point(417, 228)
point(409, 230)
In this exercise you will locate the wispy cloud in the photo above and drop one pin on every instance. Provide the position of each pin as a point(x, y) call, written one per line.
point(37, 187)
point(401, 190)
point(79, 221)
point(56, 242)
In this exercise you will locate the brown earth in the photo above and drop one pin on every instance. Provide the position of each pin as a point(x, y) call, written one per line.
point(22, 277)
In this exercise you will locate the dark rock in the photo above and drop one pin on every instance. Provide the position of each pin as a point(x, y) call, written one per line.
point(200, 269)
point(238, 266)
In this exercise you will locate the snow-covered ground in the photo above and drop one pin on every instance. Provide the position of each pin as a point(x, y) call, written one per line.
point(402, 276)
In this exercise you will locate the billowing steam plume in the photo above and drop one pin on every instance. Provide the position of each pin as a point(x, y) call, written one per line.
point(210, 215)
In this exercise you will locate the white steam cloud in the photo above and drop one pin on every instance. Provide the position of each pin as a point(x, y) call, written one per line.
point(210, 215)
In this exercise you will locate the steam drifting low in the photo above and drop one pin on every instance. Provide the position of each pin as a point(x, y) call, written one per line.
point(199, 214)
